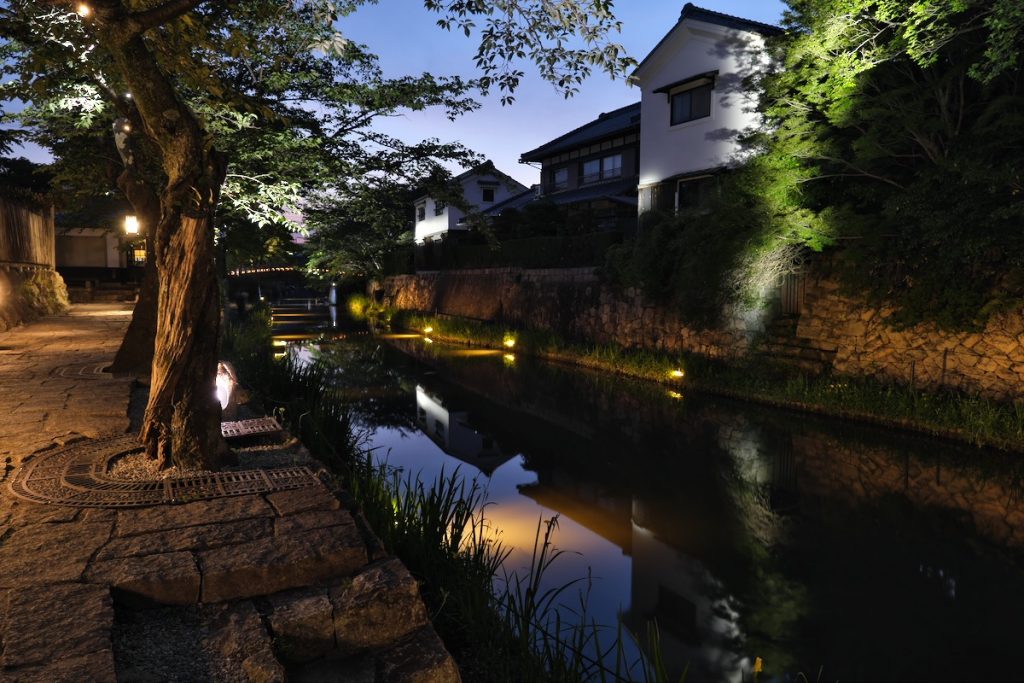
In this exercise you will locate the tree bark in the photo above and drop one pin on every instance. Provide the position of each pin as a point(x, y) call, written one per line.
point(182, 420)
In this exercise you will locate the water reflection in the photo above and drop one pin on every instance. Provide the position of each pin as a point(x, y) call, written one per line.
point(743, 532)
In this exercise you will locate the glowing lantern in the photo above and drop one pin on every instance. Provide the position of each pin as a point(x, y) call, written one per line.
point(131, 225)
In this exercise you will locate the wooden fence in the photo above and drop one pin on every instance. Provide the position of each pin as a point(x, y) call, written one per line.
point(26, 235)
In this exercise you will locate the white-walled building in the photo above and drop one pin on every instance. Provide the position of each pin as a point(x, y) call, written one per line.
point(695, 104)
point(482, 188)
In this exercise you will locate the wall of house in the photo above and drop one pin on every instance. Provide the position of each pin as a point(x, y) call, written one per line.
point(89, 248)
point(692, 49)
point(433, 226)
point(574, 303)
point(630, 163)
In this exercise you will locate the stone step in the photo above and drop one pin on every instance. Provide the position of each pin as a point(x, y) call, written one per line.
point(230, 548)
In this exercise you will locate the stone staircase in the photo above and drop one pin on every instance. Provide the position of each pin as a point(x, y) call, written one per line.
point(781, 345)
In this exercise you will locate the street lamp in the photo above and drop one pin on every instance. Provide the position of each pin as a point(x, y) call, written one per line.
point(131, 225)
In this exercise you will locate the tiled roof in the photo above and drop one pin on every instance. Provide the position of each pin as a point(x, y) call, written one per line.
point(691, 11)
point(606, 125)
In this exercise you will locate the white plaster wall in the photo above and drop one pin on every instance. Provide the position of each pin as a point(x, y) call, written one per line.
point(691, 49)
point(433, 226)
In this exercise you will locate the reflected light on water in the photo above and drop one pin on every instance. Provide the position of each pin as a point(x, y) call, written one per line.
point(473, 353)
point(399, 336)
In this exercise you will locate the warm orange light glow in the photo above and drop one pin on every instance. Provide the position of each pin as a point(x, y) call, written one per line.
point(677, 374)
point(131, 225)
point(675, 394)
point(83, 10)
point(428, 329)
point(428, 340)
point(509, 343)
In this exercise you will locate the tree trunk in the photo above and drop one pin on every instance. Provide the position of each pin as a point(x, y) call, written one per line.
point(182, 422)
point(135, 356)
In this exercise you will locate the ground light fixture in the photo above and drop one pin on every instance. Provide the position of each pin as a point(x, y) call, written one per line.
point(509, 343)
point(676, 374)
point(428, 329)
point(131, 225)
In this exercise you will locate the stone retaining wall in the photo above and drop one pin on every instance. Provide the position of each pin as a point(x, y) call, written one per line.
point(569, 301)
point(989, 362)
point(574, 303)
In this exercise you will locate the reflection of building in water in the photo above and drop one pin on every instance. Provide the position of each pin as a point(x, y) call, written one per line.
point(697, 624)
point(452, 431)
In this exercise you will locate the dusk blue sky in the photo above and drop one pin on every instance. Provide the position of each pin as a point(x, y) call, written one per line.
point(408, 41)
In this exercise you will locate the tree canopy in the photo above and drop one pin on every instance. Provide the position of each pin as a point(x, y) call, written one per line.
point(246, 105)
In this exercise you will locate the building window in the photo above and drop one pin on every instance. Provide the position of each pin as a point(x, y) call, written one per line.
point(488, 195)
point(439, 208)
point(421, 212)
point(560, 179)
point(602, 169)
point(591, 171)
point(691, 104)
point(695, 194)
point(611, 167)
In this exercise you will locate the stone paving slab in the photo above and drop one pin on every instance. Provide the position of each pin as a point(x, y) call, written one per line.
point(50, 409)
point(63, 569)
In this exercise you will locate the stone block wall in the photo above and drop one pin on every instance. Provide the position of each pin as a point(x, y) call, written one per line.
point(989, 362)
point(574, 303)
point(570, 301)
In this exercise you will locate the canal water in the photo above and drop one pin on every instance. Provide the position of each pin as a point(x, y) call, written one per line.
point(820, 546)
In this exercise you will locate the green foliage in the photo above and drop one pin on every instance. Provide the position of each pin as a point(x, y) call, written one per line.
point(44, 292)
point(289, 100)
point(732, 250)
point(898, 128)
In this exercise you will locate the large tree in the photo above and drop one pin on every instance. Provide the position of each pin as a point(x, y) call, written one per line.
point(152, 58)
point(897, 129)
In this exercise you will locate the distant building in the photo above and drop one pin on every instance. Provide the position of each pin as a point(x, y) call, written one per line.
point(594, 167)
point(482, 188)
point(92, 243)
point(695, 103)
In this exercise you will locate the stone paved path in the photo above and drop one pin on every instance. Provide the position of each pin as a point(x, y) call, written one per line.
point(45, 398)
point(289, 580)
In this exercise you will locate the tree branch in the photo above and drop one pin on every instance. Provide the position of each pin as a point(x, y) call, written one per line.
point(161, 14)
